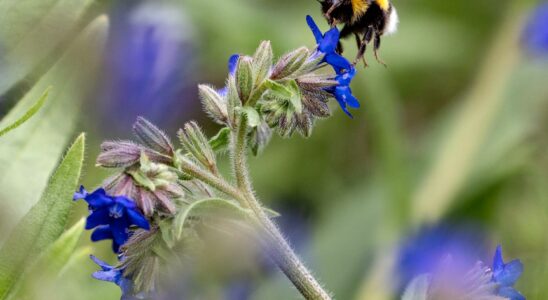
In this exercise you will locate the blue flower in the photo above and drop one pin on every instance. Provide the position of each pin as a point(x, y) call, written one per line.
point(112, 274)
point(506, 275)
point(327, 46)
point(112, 216)
point(342, 91)
point(232, 65)
point(536, 31)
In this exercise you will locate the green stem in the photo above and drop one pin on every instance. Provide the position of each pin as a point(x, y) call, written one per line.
point(281, 253)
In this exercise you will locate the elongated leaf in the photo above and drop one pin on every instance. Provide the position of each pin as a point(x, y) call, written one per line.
point(31, 30)
point(33, 110)
point(49, 265)
point(45, 221)
point(28, 157)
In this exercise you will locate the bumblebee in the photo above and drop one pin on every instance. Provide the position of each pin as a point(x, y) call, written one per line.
point(368, 20)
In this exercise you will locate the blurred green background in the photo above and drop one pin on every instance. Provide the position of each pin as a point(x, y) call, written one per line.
point(454, 129)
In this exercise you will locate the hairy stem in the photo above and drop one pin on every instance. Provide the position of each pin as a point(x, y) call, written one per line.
point(281, 252)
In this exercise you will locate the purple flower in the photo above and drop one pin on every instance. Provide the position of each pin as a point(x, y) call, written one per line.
point(536, 31)
point(112, 216)
point(327, 46)
point(149, 63)
point(506, 275)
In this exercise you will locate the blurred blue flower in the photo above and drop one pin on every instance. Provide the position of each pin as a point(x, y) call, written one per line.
point(148, 65)
point(536, 31)
point(506, 275)
point(327, 46)
point(427, 250)
point(112, 216)
point(112, 274)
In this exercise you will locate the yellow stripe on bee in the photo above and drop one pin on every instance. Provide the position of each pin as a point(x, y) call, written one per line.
point(359, 7)
point(383, 4)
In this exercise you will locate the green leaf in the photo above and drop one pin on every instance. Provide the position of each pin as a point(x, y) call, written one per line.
point(253, 117)
point(32, 110)
point(50, 264)
point(44, 223)
point(31, 31)
point(221, 140)
point(278, 90)
point(28, 157)
point(208, 207)
point(417, 289)
point(295, 98)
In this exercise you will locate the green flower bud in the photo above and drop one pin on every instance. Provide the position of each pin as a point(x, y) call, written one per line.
point(151, 136)
point(244, 78)
point(214, 105)
point(262, 62)
point(289, 64)
point(196, 143)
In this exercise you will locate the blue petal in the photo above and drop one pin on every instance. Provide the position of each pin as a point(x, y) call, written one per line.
point(100, 263)
point(111, 276)
point(342, 104)
point(352, 101)
point(126, 202)
point(509, 274)
point(101, 233)
point(315, 29)
point(338, 62)
point(344, 79)
point(233, 63)
point(98, 199)
point(126, 286)
point(119, 230)
point(81, 194)
point(98, 217)
point(330, 41)
point(345, 94)
point(510, 293)
point(137, 219)
point(498, 262)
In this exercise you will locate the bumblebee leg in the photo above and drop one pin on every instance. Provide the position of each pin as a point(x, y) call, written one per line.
point(332, 22)
point(340, 48)
point(377, 45)
point(362, 45)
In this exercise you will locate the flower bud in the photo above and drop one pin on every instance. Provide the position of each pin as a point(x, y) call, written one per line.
point(262, 62)
point(289, 64)
point(151, 136)
point(244, 78)
point(196, 143)
point(123, 154)
point(214, 105)
point(118, 154)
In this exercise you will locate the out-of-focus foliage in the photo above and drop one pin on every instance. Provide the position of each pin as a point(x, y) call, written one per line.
point(43, 224)
point(453, 129)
